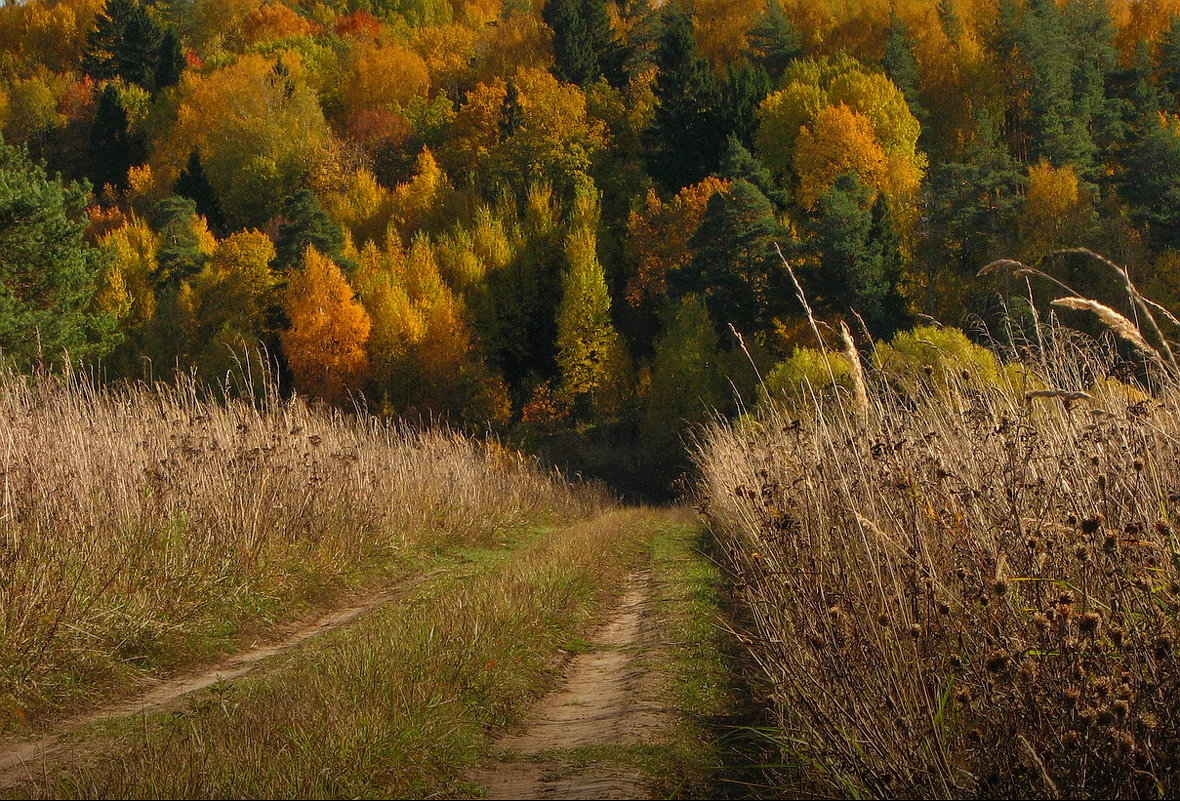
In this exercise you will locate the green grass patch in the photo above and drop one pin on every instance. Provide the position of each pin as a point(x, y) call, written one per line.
point(699, 681)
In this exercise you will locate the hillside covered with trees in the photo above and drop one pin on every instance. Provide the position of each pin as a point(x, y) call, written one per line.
point(559, 220)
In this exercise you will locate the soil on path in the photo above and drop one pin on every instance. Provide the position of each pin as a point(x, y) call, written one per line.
point(608, 700)
point(23, 760)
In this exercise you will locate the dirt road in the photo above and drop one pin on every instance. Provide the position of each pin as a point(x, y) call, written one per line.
point(606, 703)
point(21, 760)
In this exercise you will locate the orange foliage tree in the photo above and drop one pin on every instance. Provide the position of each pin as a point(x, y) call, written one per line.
point(658, 235)
point(325, 344)
point(270, 21)
point(837, 141)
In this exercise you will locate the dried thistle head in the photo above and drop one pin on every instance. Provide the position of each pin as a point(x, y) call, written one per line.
point(1088, 622)
point(998, 662)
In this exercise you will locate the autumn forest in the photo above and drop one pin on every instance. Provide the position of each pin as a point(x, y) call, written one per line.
point(567, 222)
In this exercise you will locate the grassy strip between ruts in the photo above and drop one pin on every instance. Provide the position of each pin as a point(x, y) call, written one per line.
point(399, 703)
point(698, 685)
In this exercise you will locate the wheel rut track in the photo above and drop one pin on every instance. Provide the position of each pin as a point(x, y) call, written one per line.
point(26, 759)
point(606, 700)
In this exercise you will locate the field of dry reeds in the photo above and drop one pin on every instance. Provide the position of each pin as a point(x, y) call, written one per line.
point(142, 528)
point(963, 576)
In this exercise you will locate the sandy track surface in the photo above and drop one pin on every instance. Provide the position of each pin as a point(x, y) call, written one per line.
point(606, 701)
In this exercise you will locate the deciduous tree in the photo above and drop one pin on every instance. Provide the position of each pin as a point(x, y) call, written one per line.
point(590, 354)
point(325, 345)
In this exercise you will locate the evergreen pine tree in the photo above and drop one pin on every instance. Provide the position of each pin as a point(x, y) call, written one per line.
point(743, 90)
point(739, 164)
point(113, 148)
point(1151, 184)
point(952, 23)
point(851, 273)
point(642, 24)
point(735, 267)
point(1169, 59)
point(1091, 36)
point(48, 273)
point(974, 203)
point(1058, 133)
point(887, 244)
point(1006, 34)
point(170, 62)
point(194, 184)
point(774, 40)
point(127, 42)
point(900, 66)
point(686, 136)
point(138, 52)
point(306, 223)
point(99, 56)
point(573, 53)
point(181, 254)
point(585, 47)
point(1136, 96)
point(511, 114)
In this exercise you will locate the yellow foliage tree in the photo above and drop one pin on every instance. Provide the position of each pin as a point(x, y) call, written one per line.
point(590, 353)
point(51, 35)
point(237, 279)
point(384, 76)
point(1057, 213)
point(519, 42)
point(837, 141)
point(216, 25)
point(412, 203)
point(553, 138)
point(783, 114)
point(478, 13)
point(721, 27)
point(270, 21)
point(826, 99)
point(449, 51)
point(325, 344)
point(475, 132)
point(260, 130)
point(1136, 21)
point(883, 104)
point(362, 206)
point(226, 302)
point(397, 324)
point(422, 354)
point(127, 293)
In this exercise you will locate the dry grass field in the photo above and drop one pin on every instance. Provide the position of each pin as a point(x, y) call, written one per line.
point(963, 576)
point(143, 529)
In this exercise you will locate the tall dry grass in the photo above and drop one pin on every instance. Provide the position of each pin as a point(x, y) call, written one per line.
point(969, 590)
point(143, 527)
